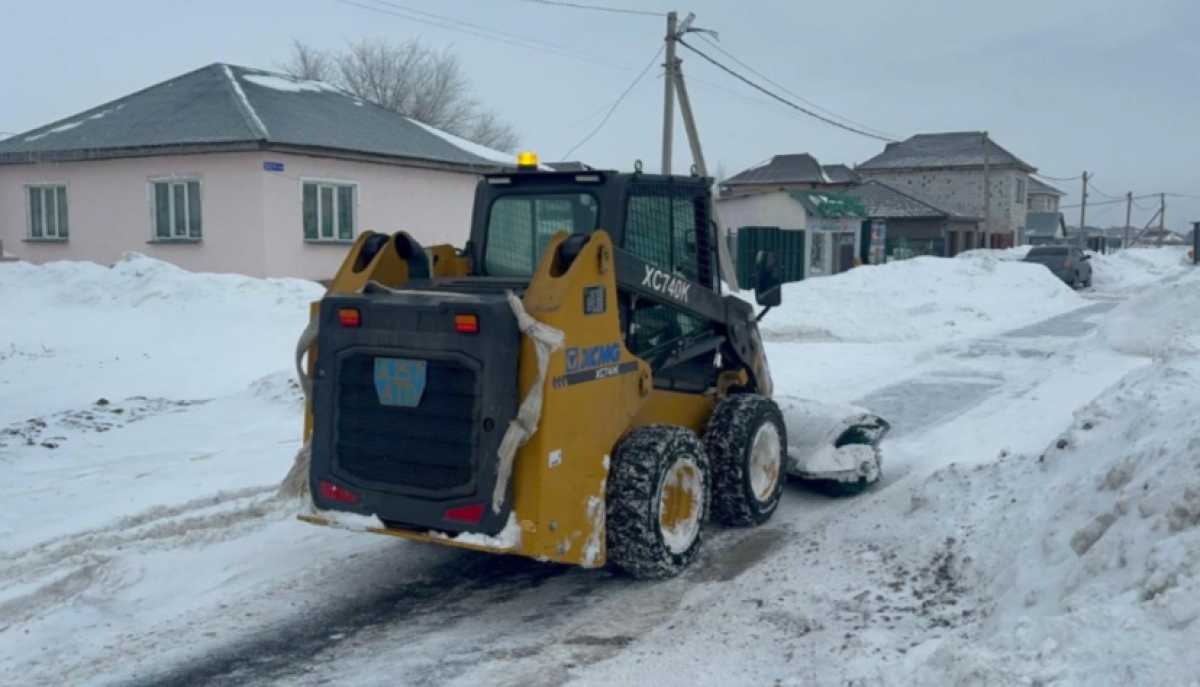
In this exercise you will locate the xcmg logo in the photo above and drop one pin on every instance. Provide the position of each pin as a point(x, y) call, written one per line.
point(590, 357)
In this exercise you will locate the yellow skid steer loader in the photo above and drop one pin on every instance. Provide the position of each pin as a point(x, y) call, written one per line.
point(570, 386)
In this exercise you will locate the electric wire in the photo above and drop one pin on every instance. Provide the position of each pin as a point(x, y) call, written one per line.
point(456, 25)
point(780, 98)
point(1050, 178)
point(1096, 188)
point(786, 90)
point(597, 8)
point(615, 105)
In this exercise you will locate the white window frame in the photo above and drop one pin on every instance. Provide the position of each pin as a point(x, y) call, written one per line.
point(172, 182)
point(1021, 191)
point(337, 218)
point(46, 234)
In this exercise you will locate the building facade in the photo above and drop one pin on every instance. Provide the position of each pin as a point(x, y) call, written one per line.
point(966, 173)
point(229, 169)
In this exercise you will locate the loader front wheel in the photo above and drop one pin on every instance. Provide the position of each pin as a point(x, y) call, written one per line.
point(747, 443)
point(657, 499)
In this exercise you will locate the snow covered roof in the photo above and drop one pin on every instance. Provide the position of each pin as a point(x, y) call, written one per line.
point(227, 107)
point(840, 174)
point(950, 149)
point(884, 201)
point(798, 168)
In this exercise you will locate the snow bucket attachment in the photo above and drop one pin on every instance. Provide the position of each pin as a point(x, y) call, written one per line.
point(834, 448)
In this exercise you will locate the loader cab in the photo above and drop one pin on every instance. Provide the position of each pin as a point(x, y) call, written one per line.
point(664, 221)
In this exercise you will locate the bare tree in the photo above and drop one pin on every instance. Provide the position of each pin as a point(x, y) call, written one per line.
point(411, 78)
point(306, 62)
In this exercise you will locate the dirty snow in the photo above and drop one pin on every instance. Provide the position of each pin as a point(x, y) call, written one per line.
point(1038, 519)
point(505, 540)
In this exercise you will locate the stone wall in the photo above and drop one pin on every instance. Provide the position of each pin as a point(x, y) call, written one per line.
point(962, 191)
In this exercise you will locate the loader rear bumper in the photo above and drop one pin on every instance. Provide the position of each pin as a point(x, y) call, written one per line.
point(507, 540)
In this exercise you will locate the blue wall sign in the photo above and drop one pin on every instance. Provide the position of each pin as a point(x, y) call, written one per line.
point(272, 166)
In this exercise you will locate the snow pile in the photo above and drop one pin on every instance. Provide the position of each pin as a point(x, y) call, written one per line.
point(73, 332)
point(1087, 557)
point(1009, 254)
point(919, 299)
point(1160, 323)
point(1130, 270)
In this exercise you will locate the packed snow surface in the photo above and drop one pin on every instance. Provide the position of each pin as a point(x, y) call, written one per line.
point(1037, 521)
point(918, 300)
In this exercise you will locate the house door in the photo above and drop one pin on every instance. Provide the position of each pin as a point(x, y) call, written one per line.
point(845, 252)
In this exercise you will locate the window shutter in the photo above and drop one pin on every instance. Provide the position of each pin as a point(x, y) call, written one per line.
point(62, 211)
point(193, 194)
point(35, 213)
point(310, 211)
point(162, 210)
point(345, 212)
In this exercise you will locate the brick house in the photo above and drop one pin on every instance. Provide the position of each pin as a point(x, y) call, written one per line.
point(949, 169)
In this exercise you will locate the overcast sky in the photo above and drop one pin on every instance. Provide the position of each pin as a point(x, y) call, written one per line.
point(1105, 85)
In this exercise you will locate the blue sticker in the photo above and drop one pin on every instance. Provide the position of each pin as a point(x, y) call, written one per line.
point(272, 166)
point(399, 381)
point(591, 357)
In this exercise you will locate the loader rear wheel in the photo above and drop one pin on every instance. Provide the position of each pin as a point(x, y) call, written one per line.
point(747, 443)
point(657, 499)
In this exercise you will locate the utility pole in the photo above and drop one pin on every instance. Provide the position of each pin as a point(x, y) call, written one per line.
point(1128, 215)
point(669, 93)
point(987, 190)
point(1080, 239)
point(1162, 218)
point(675, 86)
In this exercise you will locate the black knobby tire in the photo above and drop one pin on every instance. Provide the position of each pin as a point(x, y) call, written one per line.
point(640, 466)
point(729, 439)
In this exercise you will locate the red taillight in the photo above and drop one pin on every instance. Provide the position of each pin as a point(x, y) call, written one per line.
point(466, 324)
point(472, 513)
point(332, 492)
point(349, 317)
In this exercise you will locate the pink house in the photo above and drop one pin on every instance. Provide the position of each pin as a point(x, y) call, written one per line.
point(230, 169)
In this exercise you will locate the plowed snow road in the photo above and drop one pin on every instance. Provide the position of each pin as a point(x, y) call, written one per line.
point(366, 610)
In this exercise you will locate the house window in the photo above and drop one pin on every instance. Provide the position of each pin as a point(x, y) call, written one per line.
point(1020, 191)
point(176, 210)
point(48, 213)
point(329, 211)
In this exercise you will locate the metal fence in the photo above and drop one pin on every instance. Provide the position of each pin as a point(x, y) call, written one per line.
point(788, 245)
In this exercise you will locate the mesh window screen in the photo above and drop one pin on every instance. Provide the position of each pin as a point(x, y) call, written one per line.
point(519, 227)
point(648, 229)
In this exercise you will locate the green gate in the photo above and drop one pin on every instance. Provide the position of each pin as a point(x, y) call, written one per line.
point(788, 245)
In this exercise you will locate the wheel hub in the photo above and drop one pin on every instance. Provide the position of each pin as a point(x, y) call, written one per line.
point(766, 461)
point(679, 505)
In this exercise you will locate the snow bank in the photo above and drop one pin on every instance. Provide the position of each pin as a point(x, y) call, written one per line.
point(1129, 270)
point(1160, 323)
point(1010, 254)
point(73, 332)
point(1088, 555)
point(920, 299)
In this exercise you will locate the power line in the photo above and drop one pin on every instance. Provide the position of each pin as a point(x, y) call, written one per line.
point(785, 89)
point(781, 99)
point(615, 105)
point(1047, 176)
point(1095, 188)
point(459, 26)
point(598, 8)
